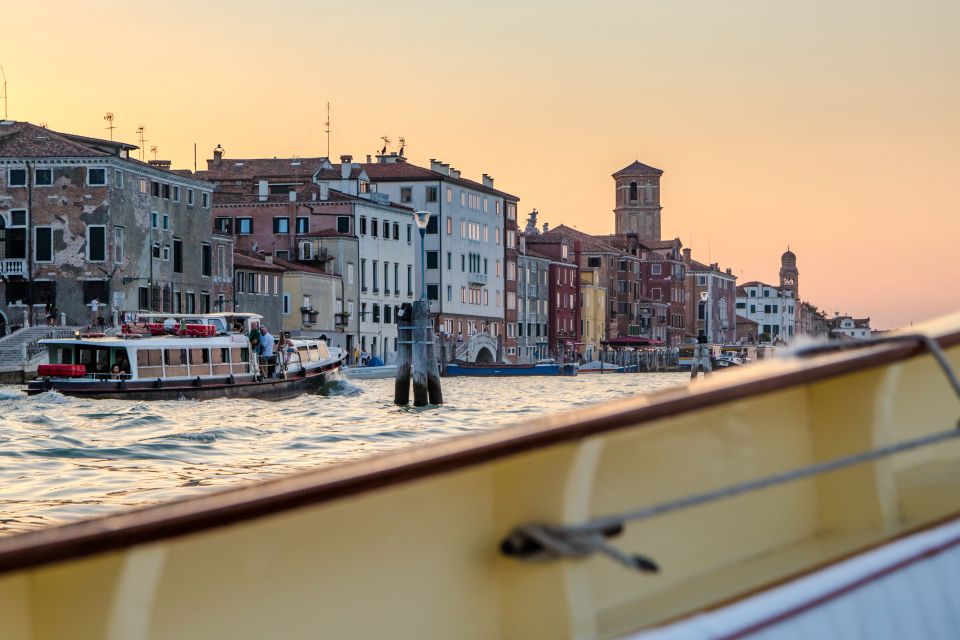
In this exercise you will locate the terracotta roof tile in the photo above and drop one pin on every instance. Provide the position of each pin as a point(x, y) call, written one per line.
point(639, 168)
point(25, 140)
point(247, 260)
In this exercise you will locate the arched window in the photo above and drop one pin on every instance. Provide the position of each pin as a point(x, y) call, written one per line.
point(633, 191)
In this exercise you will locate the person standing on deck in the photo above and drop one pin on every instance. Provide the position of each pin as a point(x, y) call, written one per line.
point(267, 341)
point(94, 311)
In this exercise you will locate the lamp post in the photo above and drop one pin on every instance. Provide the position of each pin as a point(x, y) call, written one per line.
point(705, 299)
point(422, 218)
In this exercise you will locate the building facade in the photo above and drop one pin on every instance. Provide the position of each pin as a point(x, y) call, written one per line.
point(533, 301)
point(258, 288)
point(638, 207)
point(772, 308)
point(714, 317)
point(844, 327)
point(80, 220)
point(593, 311)
point(563, 306)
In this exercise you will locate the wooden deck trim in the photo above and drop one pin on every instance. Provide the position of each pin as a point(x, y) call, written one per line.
point(191, 515)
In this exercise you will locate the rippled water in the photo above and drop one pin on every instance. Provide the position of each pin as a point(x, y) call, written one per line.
point(64, 459)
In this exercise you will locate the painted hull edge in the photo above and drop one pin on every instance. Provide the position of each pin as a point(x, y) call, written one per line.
point(554, 370)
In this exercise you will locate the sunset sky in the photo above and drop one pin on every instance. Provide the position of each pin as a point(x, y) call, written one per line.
point(832, 127)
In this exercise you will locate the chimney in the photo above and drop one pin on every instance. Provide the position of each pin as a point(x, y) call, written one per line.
point(729, 271)
point(324, 191)
point(487, 181)
point(454, 173)
point(268, 258)
point(439, 167)
point(262, 190)
point(346, 164)
point(686, 254)
point(218, 154)
point(369, 159)
point(160, 164)
point(546, 227)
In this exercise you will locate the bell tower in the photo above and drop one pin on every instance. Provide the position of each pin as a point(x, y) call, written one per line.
point(638, 201)
point(789, 276)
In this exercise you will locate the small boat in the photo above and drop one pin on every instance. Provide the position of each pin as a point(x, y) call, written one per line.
point(815, 496)
point(370, 373)
point(727, 361)
point(187, 356)
point(460, 368)
point(596, 366)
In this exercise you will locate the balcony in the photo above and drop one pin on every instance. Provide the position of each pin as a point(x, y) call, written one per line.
point(13, 267)
point(342, 319)
point(477, 278)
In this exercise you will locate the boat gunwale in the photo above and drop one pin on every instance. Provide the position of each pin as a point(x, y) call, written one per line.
point(199, 513)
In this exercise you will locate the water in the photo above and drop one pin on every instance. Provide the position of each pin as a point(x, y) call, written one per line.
point(64, 459)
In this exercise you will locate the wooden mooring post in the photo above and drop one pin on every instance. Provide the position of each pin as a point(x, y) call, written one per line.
point(417, 358)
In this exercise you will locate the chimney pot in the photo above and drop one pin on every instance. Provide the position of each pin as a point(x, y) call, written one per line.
point(686, 254)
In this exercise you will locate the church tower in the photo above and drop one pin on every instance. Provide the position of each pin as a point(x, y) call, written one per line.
point(789, 276)
point(638, 201)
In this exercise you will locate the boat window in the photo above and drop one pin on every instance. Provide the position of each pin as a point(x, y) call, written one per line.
point(304, 354)
point(174, 357)
point(324, 352)
point(221, 355)
point(219, 323)
point(314, 355)
point(199, 356)
point(148, 358)
point(240, 354)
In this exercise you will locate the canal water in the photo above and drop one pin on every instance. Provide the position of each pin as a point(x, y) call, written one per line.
point(64, 459)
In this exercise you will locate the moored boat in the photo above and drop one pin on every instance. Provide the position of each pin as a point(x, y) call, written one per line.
point(596, 366)
point(723, 506)
point(501, 369)
point(188, 356)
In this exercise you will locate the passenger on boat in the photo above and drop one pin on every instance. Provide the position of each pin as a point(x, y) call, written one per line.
point(255, 338)
point(170, 326)
point(267, 341)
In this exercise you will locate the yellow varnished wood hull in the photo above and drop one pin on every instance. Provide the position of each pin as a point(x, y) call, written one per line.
point(407, 545)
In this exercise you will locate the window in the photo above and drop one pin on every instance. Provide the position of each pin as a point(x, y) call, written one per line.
point(449, 293)
point(97, 243)
point(363, 274)
point(431, 194)
point(386, 313)
point(449, 195)
point(406, 194)
point(43, 247)
point(96, 177)
point(17, 178)
point(303, 225)
point(655, 269)
point(166, 191)
point(176, 193)
point(118, 245)
point(363, 225)
point(155, 189)
point(154, 220)
point(206, 200)
point(223, 225)
point(166, 253)
point(511, 210)
point(206, 259)
point(449, 226)
point(396, 230)
point(244, 226)
point(155, 251)
point(702, 280)
point(375, 270)
point(177, 255)
point(376, 312)
point(373, 227)
point(433, 260)
point(189, 195)
point(386, 277)
point(43, 177)
point(409, 279)
point(343, 224)
point(281, 225)
point(166, 221)
point(349, 273)
point(396, 278)
point(433, 292)
point(433, 226)
point(511, 238)
point(463, 198)
point(94, 289)
point(286, 304)
point(409, 233)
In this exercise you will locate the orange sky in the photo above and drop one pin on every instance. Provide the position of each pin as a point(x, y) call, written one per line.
point(831, 127)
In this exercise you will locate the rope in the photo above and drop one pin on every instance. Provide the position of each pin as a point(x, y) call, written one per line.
point(546, 541)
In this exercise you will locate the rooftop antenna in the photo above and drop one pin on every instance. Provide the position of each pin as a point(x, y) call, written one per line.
point(386, 143)
point(142, 140)
point(403, 143)
point(109, 119)
point(4, 91)
point(153, 150)
point(327, 123)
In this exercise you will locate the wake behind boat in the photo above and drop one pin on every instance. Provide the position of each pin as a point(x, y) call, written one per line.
point(187, 356)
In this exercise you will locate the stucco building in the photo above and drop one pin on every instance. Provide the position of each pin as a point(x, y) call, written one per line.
point(715, 317)
point(81, 220)
point(533, 301)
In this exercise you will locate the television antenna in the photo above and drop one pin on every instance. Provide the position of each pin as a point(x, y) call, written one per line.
point(4, 91)
point(142, 140)
point(109, 119)
point(327, 124)
point(386, 143)
point(153, 150)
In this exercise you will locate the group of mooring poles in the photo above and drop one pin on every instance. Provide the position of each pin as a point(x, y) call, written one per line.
point(416, 354)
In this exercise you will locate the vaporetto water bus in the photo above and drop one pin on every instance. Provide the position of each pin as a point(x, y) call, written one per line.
point(815, 496)
point(182, 356)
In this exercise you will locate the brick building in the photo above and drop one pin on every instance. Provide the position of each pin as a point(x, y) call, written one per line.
point(81, 220)
point(564, 293)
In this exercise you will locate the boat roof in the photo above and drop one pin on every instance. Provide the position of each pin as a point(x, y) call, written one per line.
point(152, 342)
point(199, 316)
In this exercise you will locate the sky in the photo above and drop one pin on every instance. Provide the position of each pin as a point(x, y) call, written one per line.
point(829, 127)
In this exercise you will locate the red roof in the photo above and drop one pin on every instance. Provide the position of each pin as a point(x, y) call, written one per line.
point(638, 167)
point(25, 140)
point(245, 260)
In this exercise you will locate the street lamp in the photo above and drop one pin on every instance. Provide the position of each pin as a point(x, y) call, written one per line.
point(705, 299)
point(422, 218)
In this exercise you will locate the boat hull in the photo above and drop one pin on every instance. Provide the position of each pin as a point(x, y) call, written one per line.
point(202, 389)
point(511, 370)
point(417, 535)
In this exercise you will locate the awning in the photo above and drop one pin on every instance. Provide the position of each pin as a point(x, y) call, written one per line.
point(632, 341)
